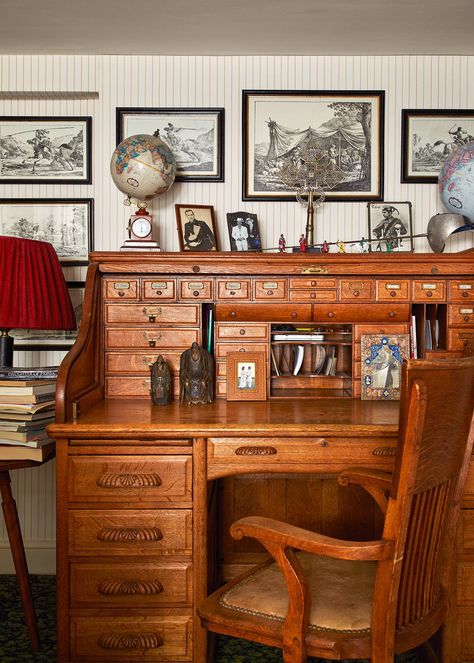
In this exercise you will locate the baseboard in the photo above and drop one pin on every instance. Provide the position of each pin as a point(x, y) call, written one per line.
point(41, 560)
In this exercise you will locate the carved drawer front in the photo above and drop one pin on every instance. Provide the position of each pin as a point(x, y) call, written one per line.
point(312, 283)
point(128, 479)
point(355, 290)
point(263, 312)
point(223, 348)
point(135, 638)
point(130, 532)
point(358, 330)
point(465, 634)
point(159, 289)
point(313, 295)
point(121, 288)
point(461, 314)
point(461, 290)
point(152, 314)
point(270, 289)
point(134, 387)
point(195, 289)
point(139, 362)
point(235, 290)
point(391, 290)
point(429, 290)
point(131, 584)
point(461, 339)
point(355, 313)
point(241, 332)
point(149, 337)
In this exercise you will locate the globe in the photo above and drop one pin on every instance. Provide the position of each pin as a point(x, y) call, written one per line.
point(143, 167)
point(456, 181)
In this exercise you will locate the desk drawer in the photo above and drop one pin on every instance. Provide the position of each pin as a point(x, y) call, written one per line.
point(461, 291)
point(134, 387)
point(355, 290)
point(152, 314)
point(139, 362)
point(128, 479)
point(195, 289)
point(131, 584)
point(130, 532)
point(131, 638)
point(313, 295)
point(157, 337)
point(356, 313)
point(263, 312)
point(233, 290)
point(391, 290)
point(461, 314)
point(223, 348)
point(270, 289)
point(312, 283)
point(157, 289)
point(239, 332)
point(429, 290)
point(121, 288)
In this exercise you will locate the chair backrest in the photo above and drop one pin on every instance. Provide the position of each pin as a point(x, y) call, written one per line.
point(435, 446)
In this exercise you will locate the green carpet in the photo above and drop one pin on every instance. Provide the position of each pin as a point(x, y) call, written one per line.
point(14, 642)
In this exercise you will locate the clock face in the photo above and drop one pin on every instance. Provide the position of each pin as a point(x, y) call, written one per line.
point(141, 227)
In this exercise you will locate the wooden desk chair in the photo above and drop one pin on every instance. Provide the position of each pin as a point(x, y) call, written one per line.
point(355, 600)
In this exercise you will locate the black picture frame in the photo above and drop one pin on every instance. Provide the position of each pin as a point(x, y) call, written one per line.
point(399, 222)
point(275, 123)
point(66, 223)
point(251, 240)
point(45, 150)
point(204, 219)
point(132, 121)
point(427, 141)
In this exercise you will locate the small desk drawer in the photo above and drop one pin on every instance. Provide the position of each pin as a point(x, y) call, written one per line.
point(263, 312)
point(313, 295)
point(130, 532)
point(150, 337)
point(152, 314)
point(429, 290)
point(121, 289)
point(131, 638)
point(240, 332)
point(270, 289)
point(134, 387)
point(157, 289)
point(195, 289)
point(461, 314)
point(130, 479)
point(131, 584)
point(312, 283)
point(461, 291)
point(355, 290)
point(139, 362)
point(223, 348)
point(236, 290)
point(461, 339)
point(395, 312)
point(393, 290)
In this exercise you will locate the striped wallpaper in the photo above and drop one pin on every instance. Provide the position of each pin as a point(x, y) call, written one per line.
point(96, 85)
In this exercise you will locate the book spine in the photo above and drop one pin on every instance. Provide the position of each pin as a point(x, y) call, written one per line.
point(27, 374)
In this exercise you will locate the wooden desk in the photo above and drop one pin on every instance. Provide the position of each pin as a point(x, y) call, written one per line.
point(16, 541)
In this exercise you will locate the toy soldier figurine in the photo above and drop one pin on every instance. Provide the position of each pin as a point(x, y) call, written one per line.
point(196, 375)
point(282, 243)
point(160, 382)
point(341, 246)
point(302, 242)
point(325, 247)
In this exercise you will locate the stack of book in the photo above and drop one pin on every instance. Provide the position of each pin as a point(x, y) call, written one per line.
point(26, 408)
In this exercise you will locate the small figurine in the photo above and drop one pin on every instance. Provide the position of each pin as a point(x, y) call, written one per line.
point(196, 375)
point(324, 247)
point(341, 247)
point(160, 382)
point(363, 244)
point(302, 242)
point(282, 244)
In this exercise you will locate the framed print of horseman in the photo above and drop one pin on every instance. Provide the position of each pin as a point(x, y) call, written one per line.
point(428, 137)
point(346, 127)
point(45, 150)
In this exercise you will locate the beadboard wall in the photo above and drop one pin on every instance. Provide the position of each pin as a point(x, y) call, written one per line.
point(96, 85)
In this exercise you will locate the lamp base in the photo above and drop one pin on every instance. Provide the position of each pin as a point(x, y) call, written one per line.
point(6, 348)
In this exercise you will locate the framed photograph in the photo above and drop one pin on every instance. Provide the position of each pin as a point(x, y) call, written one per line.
point(66, 223)
point(195, 135)
point(390, 226)
point(246, 376)
point(45, 150)
point(428, 136)
point(49, 339)
point(244, 234)
point(381, 363)
point(196, 227)
point(347, 127)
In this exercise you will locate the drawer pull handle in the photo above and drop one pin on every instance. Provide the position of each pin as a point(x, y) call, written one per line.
point(131, 641)
point(242, 332)
point(130, 587)
point(393, 293)
point(465, 294)
point(384, 451)
point(152, 313)
point(314, 270)
point(294, 314)
point(391, 314)
point(356, 293)
point(122, 480)
point(466, 318)
point(232, 314)
point(429, 293)
point(151, 340)
point(330, 314)
point(121, 293)
point(129, 534)
point(255, 451)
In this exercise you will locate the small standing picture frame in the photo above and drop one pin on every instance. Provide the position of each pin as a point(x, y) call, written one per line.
point(196, 228)
point(390, 227)
point(244, 234)
point(382, 357)
point(246, 376)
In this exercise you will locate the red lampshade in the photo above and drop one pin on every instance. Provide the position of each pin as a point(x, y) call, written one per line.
point(34, 294)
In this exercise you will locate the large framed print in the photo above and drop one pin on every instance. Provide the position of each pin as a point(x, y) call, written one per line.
point(195, 135)
point(50, 339)
point(45, 150)
point(67, 224)
point(347, 127)
point(428, 137)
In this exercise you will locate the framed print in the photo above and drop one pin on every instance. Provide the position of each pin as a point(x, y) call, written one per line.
point(347, 127)
point(45, 150)
point(195, 135)
point(428, 136)
point(381, 363)
point(66, 223)
point(390, 226)
point(196, 227)
point(246, 376)
point(49, 339)
point(244, 234)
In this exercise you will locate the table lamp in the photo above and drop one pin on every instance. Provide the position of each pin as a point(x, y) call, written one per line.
point(34, 291)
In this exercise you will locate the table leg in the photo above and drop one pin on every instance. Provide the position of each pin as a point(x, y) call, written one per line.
point(19, 559)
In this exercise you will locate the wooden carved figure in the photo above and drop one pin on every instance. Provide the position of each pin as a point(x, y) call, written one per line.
point(196, 376)
point(160, 382)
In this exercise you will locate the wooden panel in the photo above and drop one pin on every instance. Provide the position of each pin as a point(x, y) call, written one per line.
point(461, 339)
point(238, 289)
point(195, 289)
point(466, 531)
point(130, 532)
point(462, 290)
point(127, 638)
point(158, 289)
point(465, 633)
point(354, 313)
point(130, 479)
point(351, 290)
point(271, 288)
point(358, 330)
point(461, 315)
point(428, 290)
point(148, 313)
point(465, 582)
point(264, 312)
point(313, 295)
point(157, 337)
point(313, 283)
point(241, 332)
point(391, 290)
point(121, 289)
point(133, 387)
point(223, 348)
point(139, 362)
point(130, 584)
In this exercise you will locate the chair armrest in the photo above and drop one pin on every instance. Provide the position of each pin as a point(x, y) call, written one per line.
point(376, 482)
point(276, 533)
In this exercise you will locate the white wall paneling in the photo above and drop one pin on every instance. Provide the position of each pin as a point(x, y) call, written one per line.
point(96, 85)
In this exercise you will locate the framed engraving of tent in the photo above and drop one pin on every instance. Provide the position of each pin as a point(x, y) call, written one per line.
point(346, 128)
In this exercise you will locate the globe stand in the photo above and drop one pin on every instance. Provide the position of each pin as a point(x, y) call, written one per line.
point(140, 231)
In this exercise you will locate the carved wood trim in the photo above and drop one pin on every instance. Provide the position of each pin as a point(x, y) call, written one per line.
point(129, 587)
point(128, 480)
point(256, 451)
point(384, 451)
point(131, 641)
point(129, 534)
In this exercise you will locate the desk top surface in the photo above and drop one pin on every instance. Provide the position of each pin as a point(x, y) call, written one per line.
point(296, 417)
